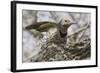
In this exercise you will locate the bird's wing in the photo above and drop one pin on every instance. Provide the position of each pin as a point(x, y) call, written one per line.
point(42, 26)
point(35, 25)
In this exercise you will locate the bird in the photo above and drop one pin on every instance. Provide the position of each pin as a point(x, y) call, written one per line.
point(62, 28)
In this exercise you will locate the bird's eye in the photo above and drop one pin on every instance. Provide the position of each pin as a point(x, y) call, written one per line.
point(65, 20)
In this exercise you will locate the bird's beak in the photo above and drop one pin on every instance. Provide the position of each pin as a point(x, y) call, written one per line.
point(73, 23)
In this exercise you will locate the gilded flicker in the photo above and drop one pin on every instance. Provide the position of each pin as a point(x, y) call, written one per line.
point(46, 25)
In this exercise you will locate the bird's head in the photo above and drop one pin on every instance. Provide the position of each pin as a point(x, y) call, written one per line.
point(65, 22)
